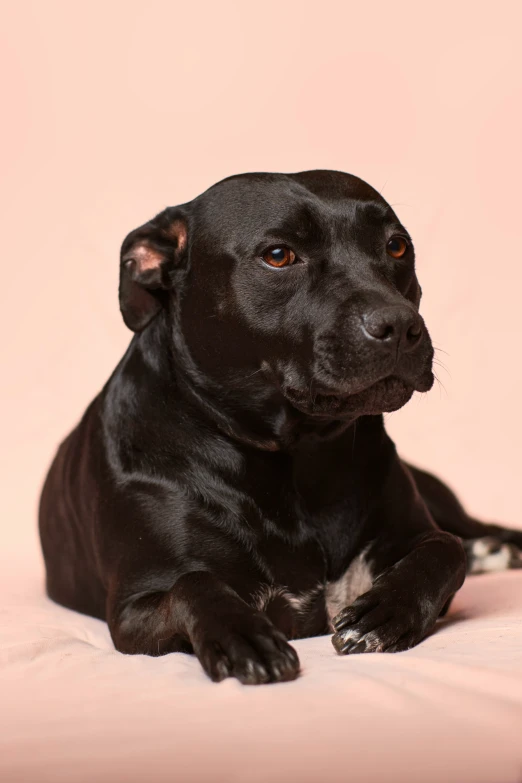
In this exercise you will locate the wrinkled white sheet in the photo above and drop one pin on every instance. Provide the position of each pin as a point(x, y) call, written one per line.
point(74, 710)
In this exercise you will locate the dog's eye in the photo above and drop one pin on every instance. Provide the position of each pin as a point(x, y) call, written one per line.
point(279, 256)
point(396, 247)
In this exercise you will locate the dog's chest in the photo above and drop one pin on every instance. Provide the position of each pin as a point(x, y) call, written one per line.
point(318, 569)
point(310, 517)
point(311, 612)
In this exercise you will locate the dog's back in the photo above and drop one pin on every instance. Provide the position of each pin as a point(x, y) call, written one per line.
point(67, 532)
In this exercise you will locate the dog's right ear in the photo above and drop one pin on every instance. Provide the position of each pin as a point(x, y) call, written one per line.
point(149, 258)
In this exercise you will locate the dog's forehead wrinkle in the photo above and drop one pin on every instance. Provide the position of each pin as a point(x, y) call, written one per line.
point(242, 230)
point(318, 203)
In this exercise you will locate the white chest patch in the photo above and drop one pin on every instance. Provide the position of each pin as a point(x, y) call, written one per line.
point(301, 603)
point(356, 580)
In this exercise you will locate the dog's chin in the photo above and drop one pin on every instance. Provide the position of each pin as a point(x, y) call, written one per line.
point(382, 396)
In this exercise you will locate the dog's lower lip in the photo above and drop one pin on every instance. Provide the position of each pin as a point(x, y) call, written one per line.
point(339, 394)
point(390, 391)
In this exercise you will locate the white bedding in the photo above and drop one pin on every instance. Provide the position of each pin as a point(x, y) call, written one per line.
point(74, 710)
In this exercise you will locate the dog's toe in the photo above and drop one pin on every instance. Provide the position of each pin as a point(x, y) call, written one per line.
point(375, 623)
point(255, 654)
point(388, 638)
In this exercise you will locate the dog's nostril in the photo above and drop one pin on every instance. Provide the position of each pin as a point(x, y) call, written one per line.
point(378, 328)
point(380, 331)
point(414, 332)
point(393, 325)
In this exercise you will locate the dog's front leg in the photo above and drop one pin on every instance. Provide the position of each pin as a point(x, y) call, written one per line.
point(418, 569)
point(200, 613)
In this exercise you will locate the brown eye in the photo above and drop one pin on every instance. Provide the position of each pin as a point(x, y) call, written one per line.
point(396, 247)
point(279, 256)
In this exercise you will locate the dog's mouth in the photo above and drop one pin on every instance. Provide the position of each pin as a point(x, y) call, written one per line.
point(382, 396)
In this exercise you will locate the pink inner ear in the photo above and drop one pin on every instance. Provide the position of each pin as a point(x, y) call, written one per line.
point(147, 258)
point(178, 230)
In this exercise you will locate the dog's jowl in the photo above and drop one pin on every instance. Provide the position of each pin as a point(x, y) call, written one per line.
point(232, 486)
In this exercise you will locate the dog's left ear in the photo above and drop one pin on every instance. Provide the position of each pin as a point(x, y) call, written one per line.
point(150, 256)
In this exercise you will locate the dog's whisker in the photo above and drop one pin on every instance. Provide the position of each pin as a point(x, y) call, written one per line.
point(441, 385)
point(439, 350)
point(353, 440)
point(256, 372)
point(310, 392)
point(442, 366)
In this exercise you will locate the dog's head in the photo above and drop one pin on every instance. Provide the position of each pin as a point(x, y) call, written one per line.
point(299, 288)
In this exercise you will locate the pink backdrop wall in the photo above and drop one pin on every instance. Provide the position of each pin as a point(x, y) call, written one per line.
point(112, 110)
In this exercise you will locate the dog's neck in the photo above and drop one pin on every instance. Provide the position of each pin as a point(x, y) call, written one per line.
point(265, 420)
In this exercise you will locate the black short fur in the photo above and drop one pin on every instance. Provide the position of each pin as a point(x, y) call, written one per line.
point(239, 445)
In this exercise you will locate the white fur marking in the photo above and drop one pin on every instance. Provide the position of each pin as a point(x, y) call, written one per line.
point(373, 642)
point(349, 635)
point(483, 559)
point(267, 593)
point(302, 603)
point(356, 580)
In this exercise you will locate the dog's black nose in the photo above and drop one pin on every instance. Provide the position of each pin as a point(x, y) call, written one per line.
point(396, 327)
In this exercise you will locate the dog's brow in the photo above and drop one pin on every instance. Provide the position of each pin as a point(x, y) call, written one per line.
point(371, 210)
point(397, 228)
point(302, 227)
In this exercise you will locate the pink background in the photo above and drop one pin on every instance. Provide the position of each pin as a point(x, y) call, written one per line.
point(113, 110)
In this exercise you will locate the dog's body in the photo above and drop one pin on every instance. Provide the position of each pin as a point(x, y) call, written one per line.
point(233, 485)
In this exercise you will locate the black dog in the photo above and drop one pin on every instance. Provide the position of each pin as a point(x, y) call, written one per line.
point(232, 486)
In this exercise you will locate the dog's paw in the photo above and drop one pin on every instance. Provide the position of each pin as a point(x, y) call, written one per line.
point(377, 622)
point(249, 648)
point(490, 554)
